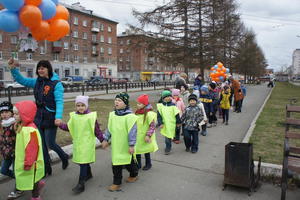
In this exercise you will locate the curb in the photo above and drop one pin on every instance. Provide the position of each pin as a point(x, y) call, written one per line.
point(266, 169)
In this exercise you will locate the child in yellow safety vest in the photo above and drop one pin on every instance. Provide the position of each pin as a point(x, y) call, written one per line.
point(146, 140)
point(29, 162)
point(122, 130)
point(167, 119)
point(84, 129)
point(225, 104)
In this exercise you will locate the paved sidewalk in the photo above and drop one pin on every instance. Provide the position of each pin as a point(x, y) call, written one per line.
point(178, 176)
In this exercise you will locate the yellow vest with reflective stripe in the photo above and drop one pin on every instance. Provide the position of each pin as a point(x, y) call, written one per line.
point(25, 179)
point(168, 114)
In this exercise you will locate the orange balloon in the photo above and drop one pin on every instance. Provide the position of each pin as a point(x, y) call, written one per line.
point(212, 69)
point(217, 79)
point(33, 2)
point(220, 65)
point(212, 75)
point(58, 29)
point(219, 69)
point(61, 13)
point(222, 73)
point(42, 31)
point(224, 69)
point(30, 16)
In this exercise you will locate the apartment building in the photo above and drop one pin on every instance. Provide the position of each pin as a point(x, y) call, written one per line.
point(136, 63)
point(90, 49)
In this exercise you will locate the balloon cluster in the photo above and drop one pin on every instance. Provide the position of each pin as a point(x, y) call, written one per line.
point(219, 72)
point(46, 19)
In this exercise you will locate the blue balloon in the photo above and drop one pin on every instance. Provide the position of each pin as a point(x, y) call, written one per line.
point(12, 5)
point(9, 21)
point(227, 70)
point(48, 9)
point(214, 71)
point(221, 78)
point(55, 2)
point(216, 67)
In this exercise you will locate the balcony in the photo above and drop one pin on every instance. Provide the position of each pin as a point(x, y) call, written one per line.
point(57, 47)
point(96, 42)
point(95, 53)
point(95, 29)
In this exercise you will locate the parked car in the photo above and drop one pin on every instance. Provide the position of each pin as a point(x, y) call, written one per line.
point(96, 81)
point(119, 80)
point(72, 80)
point(10, 85)
point(154, 80)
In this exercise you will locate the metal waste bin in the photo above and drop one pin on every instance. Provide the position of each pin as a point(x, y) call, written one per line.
point(239, 166)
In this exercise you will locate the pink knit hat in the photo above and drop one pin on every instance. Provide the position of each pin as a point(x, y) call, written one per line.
point(175, 92)
point(82, 99)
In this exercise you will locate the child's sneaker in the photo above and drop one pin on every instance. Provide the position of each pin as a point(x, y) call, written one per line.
point(226, 123)
point(40, 186)
point(147, 167)
point(167, 152)
point(15, 194)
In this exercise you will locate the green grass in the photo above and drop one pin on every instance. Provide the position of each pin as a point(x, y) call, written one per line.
point(268, 135)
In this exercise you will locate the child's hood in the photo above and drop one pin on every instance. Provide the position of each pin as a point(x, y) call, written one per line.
point(27, 111)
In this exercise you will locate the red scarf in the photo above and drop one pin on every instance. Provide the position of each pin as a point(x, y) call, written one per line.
point(142, 111)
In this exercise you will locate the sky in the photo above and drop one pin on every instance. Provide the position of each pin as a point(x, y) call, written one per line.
point(276, 23)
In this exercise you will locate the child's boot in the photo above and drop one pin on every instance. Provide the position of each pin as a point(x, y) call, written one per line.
point(79, 187)
point(131, 179)
point(89, 174)
point(114, 188)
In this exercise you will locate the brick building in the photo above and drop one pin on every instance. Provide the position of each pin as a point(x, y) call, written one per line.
point(90, 48)
point(136, 63)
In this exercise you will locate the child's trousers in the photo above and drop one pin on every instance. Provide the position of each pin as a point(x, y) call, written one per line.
point(147, 159)
point(225, 113)
point(5, 167)
point(191, 139)
point(132, 168)
point(85, 170)
point(177, 133)
point(168, 143)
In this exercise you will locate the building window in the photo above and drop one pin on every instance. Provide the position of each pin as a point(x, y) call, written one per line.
point(66, 58)
point(66, 45)
point(121, 50)
point(84, 23)
point(76, 47)
point(15, 55)
point(96, 24)
point(1, 55)
point(75, 20)
point(109, 41)
point(101, 27)
point(109, 50)
point(121, 59)
point(77, 72)
point(94, 38)
point(1, 74)
point(128, 50)
point(101, 38)
point(42, 50)
point(109, 28)
point(30, 73)
point(84, 35)
point(75, 34)
point(0, 38)
point(85, 59)
point(101, 50)
point(128, 58)
point(121, 42)
point(55, 57)
point(109, 72)
point(128, 42)
point(94, 49)
point(13, 39)
point(28, 56)
point(76, 58)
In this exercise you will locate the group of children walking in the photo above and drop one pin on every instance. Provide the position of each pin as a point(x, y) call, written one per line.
point(129, 133)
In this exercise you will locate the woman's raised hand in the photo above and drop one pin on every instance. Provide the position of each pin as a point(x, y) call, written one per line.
point(12, 63)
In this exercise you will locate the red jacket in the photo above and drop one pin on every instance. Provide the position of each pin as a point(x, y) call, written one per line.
point(27, 111)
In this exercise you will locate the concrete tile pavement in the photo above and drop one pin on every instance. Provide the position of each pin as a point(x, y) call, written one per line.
point(180, 175)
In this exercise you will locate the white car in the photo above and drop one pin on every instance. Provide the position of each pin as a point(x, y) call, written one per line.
point(10, 85)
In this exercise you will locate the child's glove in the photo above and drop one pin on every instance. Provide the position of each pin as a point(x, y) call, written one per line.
point(147, 139)
point(161, 126)
point(131, 149)
point(104, 144)
point(178, 125)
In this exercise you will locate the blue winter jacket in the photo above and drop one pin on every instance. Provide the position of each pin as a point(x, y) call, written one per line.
point(58, 90)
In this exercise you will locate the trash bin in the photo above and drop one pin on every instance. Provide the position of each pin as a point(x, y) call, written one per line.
point(239, 165)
